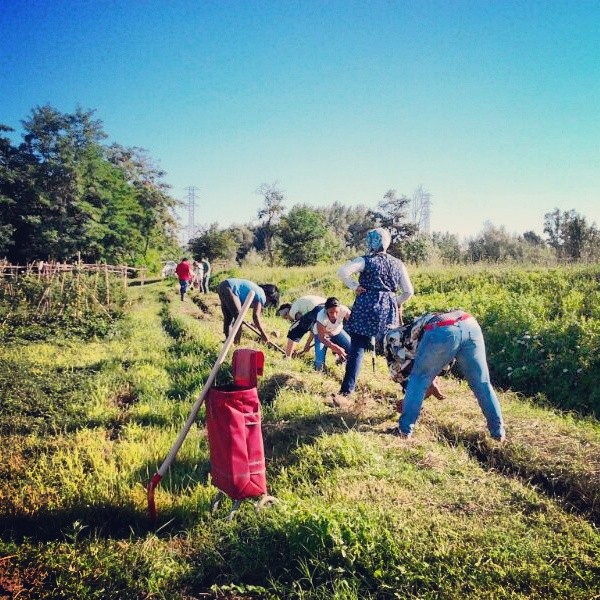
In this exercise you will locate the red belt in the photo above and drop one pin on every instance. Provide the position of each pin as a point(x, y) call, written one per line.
point(447, 322)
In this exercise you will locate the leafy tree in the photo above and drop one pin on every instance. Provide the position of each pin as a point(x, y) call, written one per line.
point(66, 193)
point(8, 179)
point(494, 244)
point(448, 246)
point(244, 236)
point(270, 214)
point(302, 234)
point(533, 239)
point(214, 244)
point(568, 233)
point(391, 213)
point(418, 249)
point(348, 223)
point(154, 220)
point(51, 220)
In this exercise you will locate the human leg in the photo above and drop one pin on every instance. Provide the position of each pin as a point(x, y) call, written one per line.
point(320, 354)
point(472, 361)
point(435, 351)
point(358, 345)
point(228, 306)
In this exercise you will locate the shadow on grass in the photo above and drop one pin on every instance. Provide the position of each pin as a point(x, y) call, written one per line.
point(268, 388)
point(576, 493)
point(102, 520)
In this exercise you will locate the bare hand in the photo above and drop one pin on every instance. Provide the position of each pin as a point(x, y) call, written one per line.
point(434, 390)
point(360, 290)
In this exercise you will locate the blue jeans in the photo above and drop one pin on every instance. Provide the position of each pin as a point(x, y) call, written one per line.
point(463, 341)
point(341, 339)
point(359, 343)
point(183, 285)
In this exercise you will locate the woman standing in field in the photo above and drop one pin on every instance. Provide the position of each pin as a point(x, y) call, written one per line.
point(376, 308)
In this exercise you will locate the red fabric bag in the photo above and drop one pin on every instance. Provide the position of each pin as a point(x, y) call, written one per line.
point(237, 456)
point(246, 366)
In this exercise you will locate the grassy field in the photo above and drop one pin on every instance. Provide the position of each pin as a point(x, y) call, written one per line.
point(362, 514)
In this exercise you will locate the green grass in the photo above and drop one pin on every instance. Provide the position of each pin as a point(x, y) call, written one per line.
point(362, 514)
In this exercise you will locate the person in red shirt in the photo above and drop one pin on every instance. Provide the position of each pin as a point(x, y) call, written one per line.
point(185, 275)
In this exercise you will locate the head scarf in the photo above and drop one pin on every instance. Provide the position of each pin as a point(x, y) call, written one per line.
point(378, 239)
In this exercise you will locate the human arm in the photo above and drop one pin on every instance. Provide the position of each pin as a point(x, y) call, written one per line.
point(309, 341)
point(256, 312)
point(406, 285)
point(346, 271)
point(328, 343)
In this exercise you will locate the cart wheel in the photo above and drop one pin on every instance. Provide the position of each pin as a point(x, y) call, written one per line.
point(266, 501)
point(234, 509)
point(216, 501)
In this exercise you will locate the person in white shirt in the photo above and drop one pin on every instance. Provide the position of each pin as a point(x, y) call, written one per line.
point(329, 332)
point(303, 313)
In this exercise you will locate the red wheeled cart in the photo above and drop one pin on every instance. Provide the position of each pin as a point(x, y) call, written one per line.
point(233, 423)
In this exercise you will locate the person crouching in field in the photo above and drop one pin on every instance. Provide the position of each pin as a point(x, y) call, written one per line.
point(303, 314)
point(233, 293)
point(422, 349)
point(329, 332)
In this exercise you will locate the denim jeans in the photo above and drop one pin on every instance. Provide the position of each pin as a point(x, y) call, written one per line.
point(463, 341)
point(359, 343)
point(341, 339)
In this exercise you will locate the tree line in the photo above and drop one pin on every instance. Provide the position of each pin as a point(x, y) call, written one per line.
point(66, 194)
point(307, 236)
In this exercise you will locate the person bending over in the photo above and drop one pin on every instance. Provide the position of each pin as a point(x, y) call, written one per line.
point(417, 352)
point(233, 293)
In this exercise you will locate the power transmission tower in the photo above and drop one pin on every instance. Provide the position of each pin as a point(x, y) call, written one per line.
point(421, 209)
point(191, 206)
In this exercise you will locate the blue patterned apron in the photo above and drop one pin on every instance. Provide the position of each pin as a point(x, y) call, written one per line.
point(375, 310)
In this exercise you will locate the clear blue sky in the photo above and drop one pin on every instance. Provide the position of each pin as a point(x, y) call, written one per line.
point(492, 106)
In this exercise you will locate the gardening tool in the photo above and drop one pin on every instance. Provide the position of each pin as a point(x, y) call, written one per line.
point(195, 408)
point(373, 353)
point(259, 334)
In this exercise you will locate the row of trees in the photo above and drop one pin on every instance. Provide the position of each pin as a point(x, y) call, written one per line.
point(64, 193)
point(306, 235)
